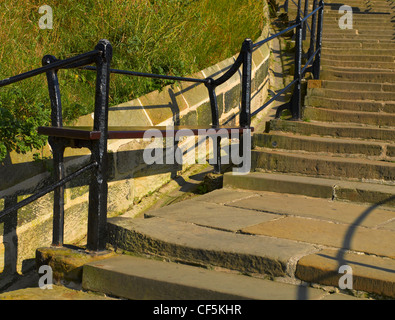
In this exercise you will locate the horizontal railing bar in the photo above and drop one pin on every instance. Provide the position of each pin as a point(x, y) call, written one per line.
point(54, 65)
point(150, 75)
point(273, 98)
point(47, 190)
point(274, 36)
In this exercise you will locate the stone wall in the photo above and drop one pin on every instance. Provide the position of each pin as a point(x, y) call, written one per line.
point(182, 103)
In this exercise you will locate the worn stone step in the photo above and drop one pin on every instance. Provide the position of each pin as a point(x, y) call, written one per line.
point(205, 245)
point(351, 93)
point(357, 51)
point(355, 86)
point(349, 63)
point(370, 273)
point(332, 189)
point(137, 278)
point(380, 119)
point(360, 41)
point(332, 129)
point(346, 147)
point(355, 57)
point(321, 166)
point(336, 32)
point(385, 16)
point(352, 105)
point(333, 36)
point(357, 75)
point(359, 21)
point(358, 44)
point(360, 29)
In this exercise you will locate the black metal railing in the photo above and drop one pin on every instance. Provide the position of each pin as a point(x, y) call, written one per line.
point(101, 56)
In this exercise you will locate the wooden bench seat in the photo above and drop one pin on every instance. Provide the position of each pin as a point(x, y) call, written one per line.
point(87, 133)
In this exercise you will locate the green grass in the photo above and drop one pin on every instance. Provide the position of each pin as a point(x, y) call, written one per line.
point(175, 37)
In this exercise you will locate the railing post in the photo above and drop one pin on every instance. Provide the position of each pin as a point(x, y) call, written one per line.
point(310, 52)
point(296, 95)
point(305, 13)
point(215, 122)
point(98, 188)
point(58, 152)
point(245, 112)
point(317, 59)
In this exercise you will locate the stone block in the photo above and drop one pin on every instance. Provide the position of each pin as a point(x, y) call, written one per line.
point(67, 263)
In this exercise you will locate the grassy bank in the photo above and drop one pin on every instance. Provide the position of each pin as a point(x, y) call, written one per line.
point(176, 37)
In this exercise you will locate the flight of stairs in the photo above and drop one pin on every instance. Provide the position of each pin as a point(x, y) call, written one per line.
point(348, 127)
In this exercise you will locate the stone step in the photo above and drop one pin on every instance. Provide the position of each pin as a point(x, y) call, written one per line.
point(360, 40)
point(331, 189)
point(278, 140)
point(137, 278)
point(358, 19)
point(352, 105)
point(205, 241)
point(336, 32)
point(357, 75)
point(360, 30)
point(380, 119)
point(356, 37)
point(321, 166)
point(358, 51)
point(352, 94)
point(358, 64)
point(291, 232)
point(332, 129)
point(355, 86)
point(366, 27)
point(355, 44)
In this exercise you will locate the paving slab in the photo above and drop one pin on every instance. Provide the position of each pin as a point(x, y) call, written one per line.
point(369, 273)
point(350, 237)
point(202, 245)
point(137, 279)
